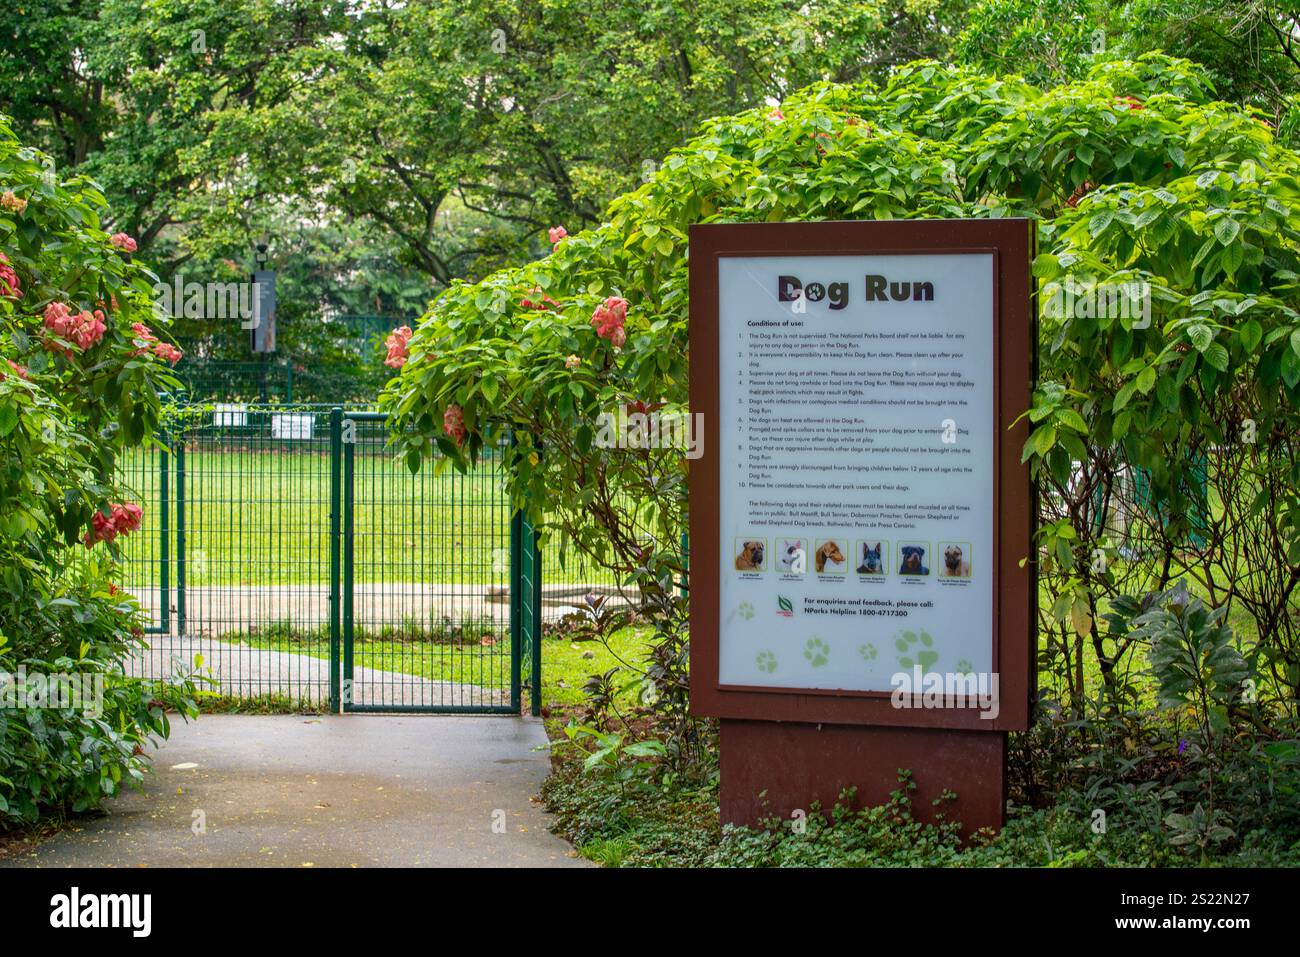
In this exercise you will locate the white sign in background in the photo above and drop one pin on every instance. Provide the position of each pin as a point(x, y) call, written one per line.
point(856, 461)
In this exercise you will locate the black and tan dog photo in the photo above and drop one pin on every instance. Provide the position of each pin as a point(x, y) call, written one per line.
point(871, 558)
point(828, 558)
point(913, 562)
point(956, 563)
point(749, 555)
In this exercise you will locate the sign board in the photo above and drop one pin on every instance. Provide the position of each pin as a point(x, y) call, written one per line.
point(230, 415)
point(292, 425)
point(861, 522)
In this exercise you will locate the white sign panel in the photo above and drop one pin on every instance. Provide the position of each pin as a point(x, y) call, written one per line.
point(229, 415)
point(856, 461)
point(292, 425)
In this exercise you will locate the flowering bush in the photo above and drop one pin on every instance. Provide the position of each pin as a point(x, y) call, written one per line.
point(77, 391)
point(1135, 174)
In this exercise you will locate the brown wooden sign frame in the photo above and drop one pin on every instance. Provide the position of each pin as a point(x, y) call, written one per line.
point(1011, 242)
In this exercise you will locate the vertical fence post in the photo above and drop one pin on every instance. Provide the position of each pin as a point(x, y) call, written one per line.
point(336, 448)
point(516, 609)
point(180, 535)
point(535, 636)
point(164, 545)
point(349, 465)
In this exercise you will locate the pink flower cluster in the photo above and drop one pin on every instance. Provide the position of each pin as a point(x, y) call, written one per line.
point(15, 204)
point(453, 423)
point(123, 519)
point(609, 319)
point(10, 287)
point(20, 371)
point(556, 233)
point(163, 350)
point(123, 242)
point(398, 347)
point(84, 329)
point(543, 304)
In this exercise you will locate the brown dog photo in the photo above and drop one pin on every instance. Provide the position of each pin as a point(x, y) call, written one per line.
point(956, 564)
point(749, 557)
point(828, 559)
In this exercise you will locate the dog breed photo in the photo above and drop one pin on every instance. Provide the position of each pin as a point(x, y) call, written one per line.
point(913, 560)
point(872, 562)
point(955, 564)
point(828, 552)
point(750, 557)
point(793, 557)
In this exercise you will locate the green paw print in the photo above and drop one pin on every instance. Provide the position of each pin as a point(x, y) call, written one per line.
point(745, 611)
point(766, 661)
point(964, 667)
point(867, 651)
point(817, 652)
point(916, 650)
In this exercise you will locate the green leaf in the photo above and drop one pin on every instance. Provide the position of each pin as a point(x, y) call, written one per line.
point(1226, 230)
point(1200, 335)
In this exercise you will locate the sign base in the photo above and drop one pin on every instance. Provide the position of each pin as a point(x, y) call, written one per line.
point(771, 769)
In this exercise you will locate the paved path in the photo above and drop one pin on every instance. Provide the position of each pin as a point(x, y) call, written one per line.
point(352, 791)
point(244, 671)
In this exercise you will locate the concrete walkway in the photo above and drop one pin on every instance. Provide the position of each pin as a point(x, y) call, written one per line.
point(243, 671)
point(334, 791)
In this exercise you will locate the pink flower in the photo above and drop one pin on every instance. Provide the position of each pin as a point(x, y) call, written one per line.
point(776, 115)
point(20, 371)
point(542, 305)
point(453, 423)
point(10, 287)
point(101, 529)
point(167, 352)
point(556, 233)
point(572, 362)
point(122, 519)
point(84, 329)
point(89, 330)
point(123, 242)
point(618, 338)
point(60, 320)
point(609, 317)
point(143, 334)
point(397, 343)
point(126, 517)
point(15, 204)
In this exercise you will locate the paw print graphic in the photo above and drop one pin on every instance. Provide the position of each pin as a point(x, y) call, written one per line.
point(867, 651)
point(745, 611)
point(916, 649)
point(964, 667)
point(817, 652)
point(766, 661)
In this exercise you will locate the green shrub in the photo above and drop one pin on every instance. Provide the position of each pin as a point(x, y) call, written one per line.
point(1135, 174)
point(79, 383)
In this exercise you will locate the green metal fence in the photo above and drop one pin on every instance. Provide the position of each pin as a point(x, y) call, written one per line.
point(289, 551)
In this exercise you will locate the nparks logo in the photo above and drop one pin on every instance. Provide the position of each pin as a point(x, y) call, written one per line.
point(784, 607)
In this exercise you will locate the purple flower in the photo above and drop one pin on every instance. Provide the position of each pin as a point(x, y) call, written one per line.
point(1182, 745)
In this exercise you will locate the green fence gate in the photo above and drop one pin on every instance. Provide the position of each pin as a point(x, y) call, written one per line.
point(304, 564)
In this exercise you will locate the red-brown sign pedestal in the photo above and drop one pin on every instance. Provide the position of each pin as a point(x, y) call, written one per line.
point(772, 768)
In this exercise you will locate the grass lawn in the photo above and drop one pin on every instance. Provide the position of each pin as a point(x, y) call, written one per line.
point(261, 516)
point(468, 658)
